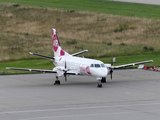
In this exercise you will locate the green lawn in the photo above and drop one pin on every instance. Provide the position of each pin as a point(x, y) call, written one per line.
point(100, 6)
point(36, 64)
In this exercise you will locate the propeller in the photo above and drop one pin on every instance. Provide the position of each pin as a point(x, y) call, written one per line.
point(111, 70)
point(65, 71)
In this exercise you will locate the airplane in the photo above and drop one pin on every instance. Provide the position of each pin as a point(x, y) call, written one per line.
point(69, 64)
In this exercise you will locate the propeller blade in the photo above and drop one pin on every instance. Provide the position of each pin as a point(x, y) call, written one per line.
point(111, 76)
point(65, 76)
point(111, 71)
point(65, 66)
point(111, 63)
point(65, 71)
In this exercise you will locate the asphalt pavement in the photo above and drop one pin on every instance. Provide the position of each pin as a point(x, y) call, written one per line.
point(132, 94)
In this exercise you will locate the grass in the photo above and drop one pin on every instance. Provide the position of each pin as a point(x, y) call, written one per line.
point(26, 29)
point(35, 64)
point(99, 6)
point(105, 35)
point(131, 59)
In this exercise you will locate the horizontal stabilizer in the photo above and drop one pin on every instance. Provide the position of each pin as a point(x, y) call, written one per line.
point(43, 56)
point(36, 70)
point(75, 54)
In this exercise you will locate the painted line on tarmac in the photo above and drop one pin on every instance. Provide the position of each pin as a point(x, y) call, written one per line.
point(78, 108)
point(82, 115)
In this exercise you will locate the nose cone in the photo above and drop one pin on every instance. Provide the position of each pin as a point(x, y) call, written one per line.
point(100, 72)
point(103, 73)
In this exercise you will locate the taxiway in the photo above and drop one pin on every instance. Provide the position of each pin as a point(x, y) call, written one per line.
point(132, 94)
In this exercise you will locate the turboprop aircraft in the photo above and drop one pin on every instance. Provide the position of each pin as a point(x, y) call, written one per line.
point(68, 64)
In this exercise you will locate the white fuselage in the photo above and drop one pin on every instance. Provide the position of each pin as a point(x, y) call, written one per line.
point(82, 66)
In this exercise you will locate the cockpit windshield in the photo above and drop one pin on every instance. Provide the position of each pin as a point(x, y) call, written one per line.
point(102, 65)
point(97, 65)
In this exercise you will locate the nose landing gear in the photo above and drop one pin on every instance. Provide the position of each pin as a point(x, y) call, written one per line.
point(100, 81)
point(57, 82)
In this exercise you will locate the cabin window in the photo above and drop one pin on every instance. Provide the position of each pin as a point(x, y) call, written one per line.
point(97, 65)
point(102, 65)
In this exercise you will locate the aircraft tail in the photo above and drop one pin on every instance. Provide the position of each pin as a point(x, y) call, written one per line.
point(58, 51)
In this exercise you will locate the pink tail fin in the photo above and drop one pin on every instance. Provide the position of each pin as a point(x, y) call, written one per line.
point(58, 51)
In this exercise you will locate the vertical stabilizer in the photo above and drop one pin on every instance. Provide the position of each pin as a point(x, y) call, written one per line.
point(58, 51)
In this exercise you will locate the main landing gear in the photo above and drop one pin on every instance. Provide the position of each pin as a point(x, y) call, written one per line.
point(103, 80)
point(57, 82)
point(99, 85)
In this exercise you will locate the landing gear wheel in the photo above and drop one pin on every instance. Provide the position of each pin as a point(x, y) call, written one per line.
point(57, 82)
point(99, 85)
point(103, 80)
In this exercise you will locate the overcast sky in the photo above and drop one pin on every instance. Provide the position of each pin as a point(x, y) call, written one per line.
point(156, 2)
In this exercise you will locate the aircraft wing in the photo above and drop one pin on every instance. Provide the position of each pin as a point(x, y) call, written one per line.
point(71, 72)
point(36, 70)
point(131, 64)
point(75, 54)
